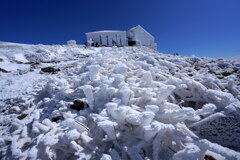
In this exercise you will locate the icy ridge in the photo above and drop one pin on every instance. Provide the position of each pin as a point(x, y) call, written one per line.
point(129, 103)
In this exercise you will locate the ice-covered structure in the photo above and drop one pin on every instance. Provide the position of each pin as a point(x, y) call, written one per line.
point(140, 37)
point(136, 36)
point(106, 38)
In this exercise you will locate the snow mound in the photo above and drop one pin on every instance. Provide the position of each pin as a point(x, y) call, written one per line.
point(117, 103)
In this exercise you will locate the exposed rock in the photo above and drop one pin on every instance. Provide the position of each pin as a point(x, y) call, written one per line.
point(18, 62)
point(208, 157)
point(33, 63)
point(78, 105)
point(55, 119)
point(225, 74)
point(50, 69)
point(25, 145)
point(22, 116)
point(3, 70)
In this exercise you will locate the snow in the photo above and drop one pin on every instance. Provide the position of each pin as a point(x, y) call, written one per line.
point(136, 104)
point(235, 58)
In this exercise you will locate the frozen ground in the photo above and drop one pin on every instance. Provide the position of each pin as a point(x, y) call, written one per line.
point(116, 103)
point(235, 58)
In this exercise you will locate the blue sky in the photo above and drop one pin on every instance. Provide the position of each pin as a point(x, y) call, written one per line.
point(201, 27)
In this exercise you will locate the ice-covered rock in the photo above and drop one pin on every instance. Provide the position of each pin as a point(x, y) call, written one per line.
point(87, 89)
point(71, 42)
point(142, 104)
point(108, 127)
point(93, 72)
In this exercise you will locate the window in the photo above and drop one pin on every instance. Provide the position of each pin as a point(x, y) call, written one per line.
point(131, 43)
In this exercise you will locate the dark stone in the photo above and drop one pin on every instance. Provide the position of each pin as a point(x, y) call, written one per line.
point(3, 70)
point(225, 74)
point(18, 62)
point(55, 119)
point(1, 59)
point(50, 69)
point(25, 145)
point(22, 116)
point(208, 157)
point(78, 105)
point(33, 63)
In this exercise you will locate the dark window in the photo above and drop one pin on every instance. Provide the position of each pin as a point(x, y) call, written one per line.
point(131, 43)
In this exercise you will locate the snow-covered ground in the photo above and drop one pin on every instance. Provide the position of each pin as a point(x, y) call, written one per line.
point(116, 103)
point(235, 58)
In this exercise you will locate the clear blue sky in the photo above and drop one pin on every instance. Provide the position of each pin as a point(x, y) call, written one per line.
point(200, 27)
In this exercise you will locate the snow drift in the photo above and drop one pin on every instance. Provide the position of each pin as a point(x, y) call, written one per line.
point(116, 103)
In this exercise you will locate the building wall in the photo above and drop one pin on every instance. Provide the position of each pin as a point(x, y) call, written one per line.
point(135, 36)
point(141, 37)
point(108, 38)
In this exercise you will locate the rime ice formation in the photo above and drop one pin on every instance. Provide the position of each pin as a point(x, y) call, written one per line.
point(116, 103)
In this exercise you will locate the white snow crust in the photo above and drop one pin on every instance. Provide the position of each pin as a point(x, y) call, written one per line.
point(138, 104)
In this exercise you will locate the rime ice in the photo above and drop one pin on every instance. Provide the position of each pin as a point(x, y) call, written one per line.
point(135, 103)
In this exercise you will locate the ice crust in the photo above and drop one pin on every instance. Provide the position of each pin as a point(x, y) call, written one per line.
point(139, 104)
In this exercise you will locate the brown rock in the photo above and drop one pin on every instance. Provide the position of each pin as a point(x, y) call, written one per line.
point(50, 69)
point(208, 157)
point(26, 144)
point(22, 116)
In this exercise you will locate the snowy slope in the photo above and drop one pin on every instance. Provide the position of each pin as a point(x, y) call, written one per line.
point(235, 58)
point(116, 103)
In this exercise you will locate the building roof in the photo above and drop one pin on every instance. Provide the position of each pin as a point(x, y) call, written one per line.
point(104, 31)
point(140, 27)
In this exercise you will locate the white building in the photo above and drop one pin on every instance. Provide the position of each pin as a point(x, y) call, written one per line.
point(136, 36)
point(107, 38)
point(140, 37)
